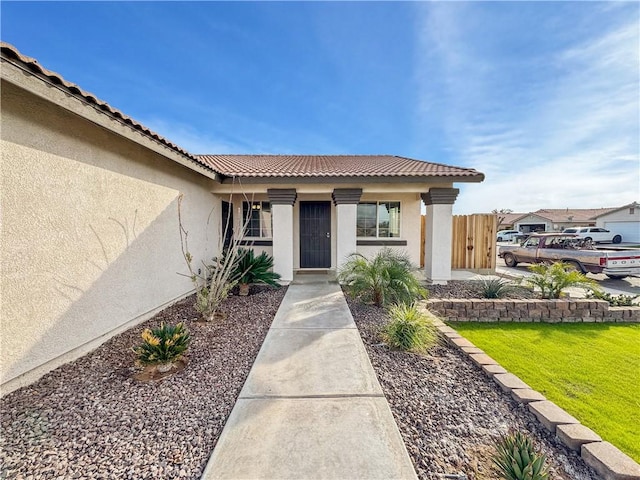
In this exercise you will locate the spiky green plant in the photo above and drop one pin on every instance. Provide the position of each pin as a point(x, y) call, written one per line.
point(496, 288)
point(252, 269)
point(614, 300)
point(165, 344)
point(385, 279)
point(409, 328)
point(553, 279)
point(517, 460)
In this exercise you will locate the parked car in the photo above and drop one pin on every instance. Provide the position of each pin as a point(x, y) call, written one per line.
point(577, 252)
point(507, 235)
point(595, 234)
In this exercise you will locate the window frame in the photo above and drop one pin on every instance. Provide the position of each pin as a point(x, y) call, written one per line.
point(261, 226)
point(377, 236)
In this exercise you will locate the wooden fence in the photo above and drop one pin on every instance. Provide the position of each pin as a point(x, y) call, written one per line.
point(473, 244)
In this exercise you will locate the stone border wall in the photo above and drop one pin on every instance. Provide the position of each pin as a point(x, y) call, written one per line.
point(606, 459)
point(531, 310)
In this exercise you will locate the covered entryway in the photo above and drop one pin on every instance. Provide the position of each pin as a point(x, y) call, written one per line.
point(315, 234)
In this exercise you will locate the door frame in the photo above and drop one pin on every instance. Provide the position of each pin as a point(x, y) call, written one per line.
point(329, 248)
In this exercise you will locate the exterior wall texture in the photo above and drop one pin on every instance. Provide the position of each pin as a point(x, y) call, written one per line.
point(89, 234)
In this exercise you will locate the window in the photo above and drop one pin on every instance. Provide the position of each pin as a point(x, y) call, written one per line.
point(259, 216)
point(378, 219)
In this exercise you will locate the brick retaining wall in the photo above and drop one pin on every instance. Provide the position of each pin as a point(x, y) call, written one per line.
point(531, 310)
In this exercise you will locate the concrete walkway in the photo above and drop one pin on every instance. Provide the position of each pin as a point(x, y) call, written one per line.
point(312, 407)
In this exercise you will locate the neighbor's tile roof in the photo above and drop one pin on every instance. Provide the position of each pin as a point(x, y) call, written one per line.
point(568, 215)
point(10, 52)
point(333, 166)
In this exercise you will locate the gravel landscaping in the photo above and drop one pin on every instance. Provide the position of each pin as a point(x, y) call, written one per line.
point(472, 289)
point(91, 419)
point(449, 413)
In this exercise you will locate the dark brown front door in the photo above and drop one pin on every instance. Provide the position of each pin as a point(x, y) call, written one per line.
point(315, 234)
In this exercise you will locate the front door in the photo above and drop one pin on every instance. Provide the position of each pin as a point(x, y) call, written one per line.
point(315, 234)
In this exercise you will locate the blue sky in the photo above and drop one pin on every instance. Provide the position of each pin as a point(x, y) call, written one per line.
point(542, 97)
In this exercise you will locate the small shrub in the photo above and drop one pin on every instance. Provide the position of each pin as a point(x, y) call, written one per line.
point(614, 300)
point(409, 329)
point(496, 288)
point(252, 269)
point(553, 279)
point(385, 279)
point(162, 345)
point(517, 460)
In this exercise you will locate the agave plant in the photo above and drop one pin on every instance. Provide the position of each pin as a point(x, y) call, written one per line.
point(163, 345)
point(496, 288)
point(385, 279)
point(517, 460)
point(409, 329)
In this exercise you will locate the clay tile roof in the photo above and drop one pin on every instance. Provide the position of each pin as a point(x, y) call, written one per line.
point(334, 166)
point(571, 214)
point(11, 53)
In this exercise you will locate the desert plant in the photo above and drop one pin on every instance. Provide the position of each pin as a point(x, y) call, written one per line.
point(553, 279)
point(386, 278)
point(214, 281)
point(163, 345)
point(496, 288)
point(251, 269)
point(517, 460)
point(614, 300)
point(409, 328)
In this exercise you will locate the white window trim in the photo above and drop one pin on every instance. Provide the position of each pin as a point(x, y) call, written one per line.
point(378, 237)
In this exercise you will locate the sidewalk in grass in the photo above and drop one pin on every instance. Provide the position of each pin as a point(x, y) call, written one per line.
point(312, 407)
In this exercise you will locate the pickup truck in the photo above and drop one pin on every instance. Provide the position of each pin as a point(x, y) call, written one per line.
point(570, 248)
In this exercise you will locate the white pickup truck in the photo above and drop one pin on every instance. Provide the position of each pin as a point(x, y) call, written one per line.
point(569, 248)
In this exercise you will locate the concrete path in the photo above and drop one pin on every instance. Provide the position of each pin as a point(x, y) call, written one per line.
point(312, 407)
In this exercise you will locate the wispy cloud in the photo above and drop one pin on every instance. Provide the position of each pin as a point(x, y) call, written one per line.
point(566, 138)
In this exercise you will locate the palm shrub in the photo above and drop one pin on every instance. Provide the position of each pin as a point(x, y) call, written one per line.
point(163, 345)
point(385, 279)
point(252, 269)
point(409, 329)
point(553, 279)
point(517, 460)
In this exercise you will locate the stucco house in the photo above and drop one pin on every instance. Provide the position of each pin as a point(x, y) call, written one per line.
point(89, 227)
point(624, 221)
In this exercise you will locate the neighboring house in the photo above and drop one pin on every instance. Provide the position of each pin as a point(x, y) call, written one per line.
point(551, 219)
point(624, 221)
point(90, 221)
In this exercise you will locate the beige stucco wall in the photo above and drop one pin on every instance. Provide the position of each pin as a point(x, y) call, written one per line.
point(89, 233)
point(622, 215)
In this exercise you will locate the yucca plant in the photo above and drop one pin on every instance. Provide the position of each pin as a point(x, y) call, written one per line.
point(496, 288)
point(385, 279)
point(163, 345)
point(517, 460)
point(251, 269)
point(553, 279)
point(409, 328)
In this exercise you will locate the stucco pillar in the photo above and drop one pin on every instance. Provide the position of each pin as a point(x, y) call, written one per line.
point(438, 233)
point(282, 201)
point(346, 202)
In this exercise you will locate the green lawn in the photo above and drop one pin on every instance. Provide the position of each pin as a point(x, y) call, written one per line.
point(590, 370)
